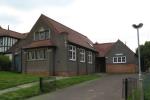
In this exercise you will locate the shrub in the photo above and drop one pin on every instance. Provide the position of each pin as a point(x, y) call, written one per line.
point(4, 62)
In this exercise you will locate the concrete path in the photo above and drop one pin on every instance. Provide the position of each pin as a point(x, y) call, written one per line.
point(106, 88)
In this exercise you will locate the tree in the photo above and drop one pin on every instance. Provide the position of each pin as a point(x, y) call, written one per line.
point(145, 55)
point(4, 62)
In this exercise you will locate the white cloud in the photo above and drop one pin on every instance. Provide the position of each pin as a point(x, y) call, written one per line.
point(100, 20)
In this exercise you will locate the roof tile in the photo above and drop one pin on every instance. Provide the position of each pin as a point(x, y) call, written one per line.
point(103, 48)
point(4, 32)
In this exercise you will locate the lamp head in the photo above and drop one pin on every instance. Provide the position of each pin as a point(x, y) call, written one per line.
point(137, 26)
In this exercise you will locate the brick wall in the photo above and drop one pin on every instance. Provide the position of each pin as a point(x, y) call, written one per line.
point(121, 68)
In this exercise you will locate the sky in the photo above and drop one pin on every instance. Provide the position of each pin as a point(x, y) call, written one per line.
point(100, 20)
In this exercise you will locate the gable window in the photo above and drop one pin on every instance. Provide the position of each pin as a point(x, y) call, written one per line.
point(120, 59)
point(82, 55)
point(72, 52)
point(42, 35)
point(90, 57)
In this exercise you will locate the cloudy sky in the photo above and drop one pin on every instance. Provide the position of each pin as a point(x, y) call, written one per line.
point(100, 20)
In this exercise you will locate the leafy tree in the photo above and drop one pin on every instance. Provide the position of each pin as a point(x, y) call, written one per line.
point(145, 55)
point(4, 62)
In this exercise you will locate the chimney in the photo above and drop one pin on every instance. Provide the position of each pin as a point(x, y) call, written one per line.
point(8, 27)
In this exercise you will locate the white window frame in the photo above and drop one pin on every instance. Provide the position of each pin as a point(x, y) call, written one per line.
point(72, 50)
point(90, 57)
point(121, 59)
point(82, 55)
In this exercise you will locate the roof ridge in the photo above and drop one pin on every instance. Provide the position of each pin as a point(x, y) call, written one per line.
point(42, 15)
point(104, 43)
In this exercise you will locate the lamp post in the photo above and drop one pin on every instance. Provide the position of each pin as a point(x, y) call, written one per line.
point(139, 56)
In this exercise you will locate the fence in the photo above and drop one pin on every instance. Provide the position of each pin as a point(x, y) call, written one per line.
point(47, 84)
point(130, 86)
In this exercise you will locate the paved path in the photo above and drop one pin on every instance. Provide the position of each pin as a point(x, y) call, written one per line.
point(106, 88)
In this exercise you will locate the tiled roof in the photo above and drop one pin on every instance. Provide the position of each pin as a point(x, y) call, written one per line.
point(73, 36)
point(103, 48)
point(4, 32)
point(41, 43)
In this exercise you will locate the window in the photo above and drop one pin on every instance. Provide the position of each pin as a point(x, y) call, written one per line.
point(36, 36)
point(90, 57)
point(1, 41)
point(47, 34)
point(41, 54)
point(72, 52)
point(37, 54)
point(42, 35)
point(121, 59)
point(82, 55)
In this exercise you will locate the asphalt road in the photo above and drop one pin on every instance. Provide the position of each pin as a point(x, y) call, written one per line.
point(108, 87)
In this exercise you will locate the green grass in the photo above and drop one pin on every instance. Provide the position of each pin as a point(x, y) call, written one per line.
point(11, 79)
point(135, 96)
point(74, 80)
point(34, 90)
point(21, 94)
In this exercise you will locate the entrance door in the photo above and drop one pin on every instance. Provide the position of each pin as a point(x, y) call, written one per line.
point(100, 65)
point(17, 60)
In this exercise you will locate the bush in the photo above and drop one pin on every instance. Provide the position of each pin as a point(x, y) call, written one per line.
point(4, 62)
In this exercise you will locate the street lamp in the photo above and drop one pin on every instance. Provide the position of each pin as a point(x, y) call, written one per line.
point(139, 56)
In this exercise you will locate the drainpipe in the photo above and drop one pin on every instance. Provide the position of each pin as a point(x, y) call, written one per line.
point(86, 62)
point(77, 51)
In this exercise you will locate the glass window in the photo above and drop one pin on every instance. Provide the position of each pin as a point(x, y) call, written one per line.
point(37, 54)
point(90, 57)
point(6, 41)
point(124, 59)
point(82, 55)
point(42, 35)
point(29, 55)
point(72, 52)
point(115, 59)
point(9, 44)
point(47, 34)
point(36, 36)
point(120, 59)
point(1, 41)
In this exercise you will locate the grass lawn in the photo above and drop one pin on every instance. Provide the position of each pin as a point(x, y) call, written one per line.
point(11, 79)
point(34, 90)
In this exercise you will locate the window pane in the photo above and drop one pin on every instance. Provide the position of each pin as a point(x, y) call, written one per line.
point(123, 59)
point(1, 41)
point(36, 36)
point(115, 59)
point(119, 59)
point(47, 34)
point(42, 35)
point(71, 52)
